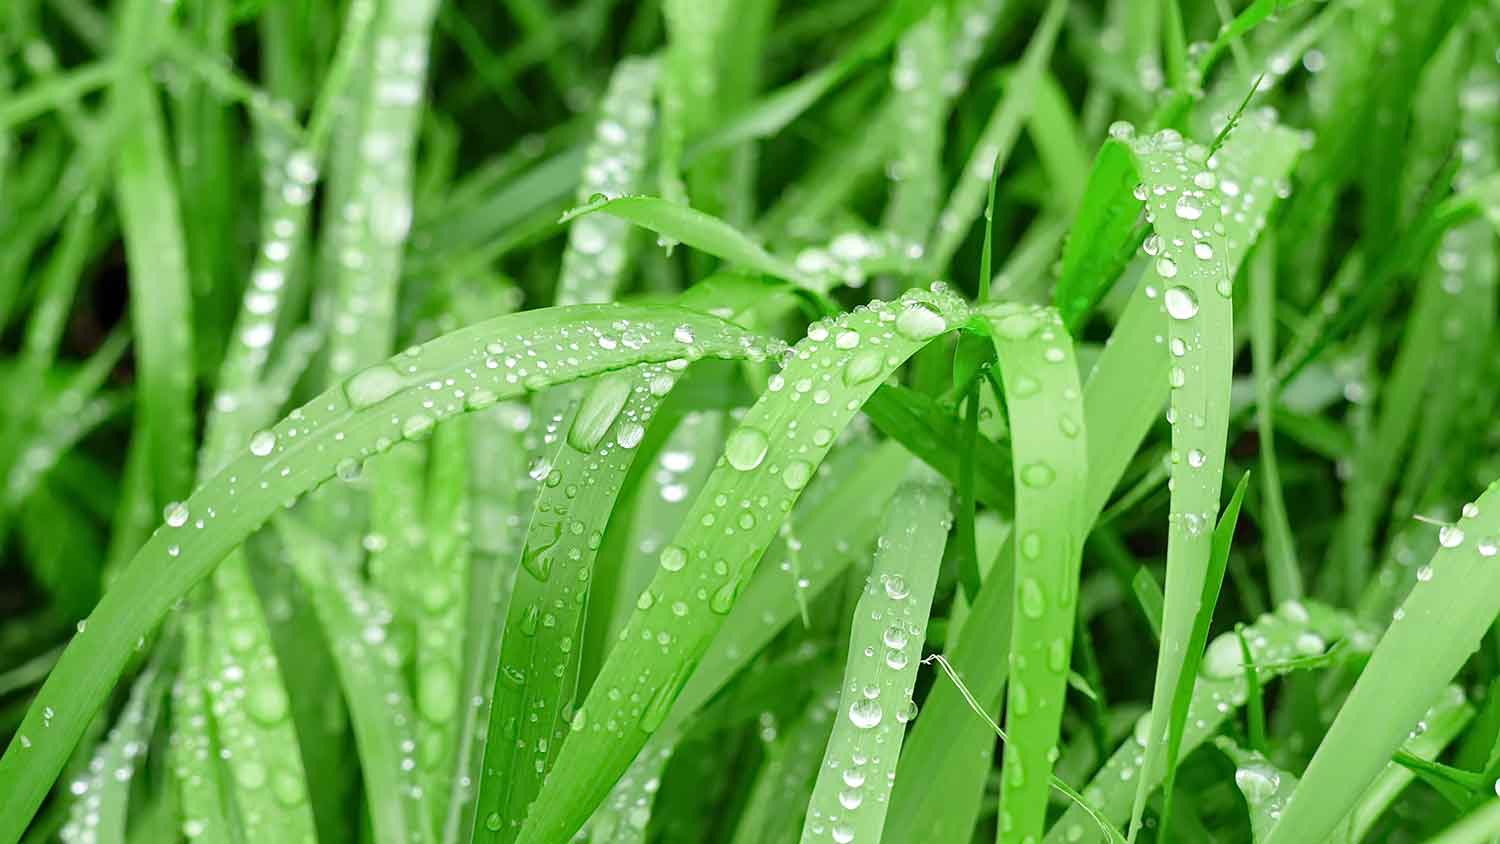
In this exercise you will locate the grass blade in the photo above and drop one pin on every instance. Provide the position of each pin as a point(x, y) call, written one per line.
point(1048, 435)
point(377, 407)
point(709, 563)
point(852, 791)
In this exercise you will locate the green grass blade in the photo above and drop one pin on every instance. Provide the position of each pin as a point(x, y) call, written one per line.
point(373, 410)
point(98, 810)
point(539, 659)
point(191, 748)
point(1407, 671)
point(1213, 581)
point(714, 555)
point(1284, 572)
point(852, 792)
point(377, 213)
point(1049, 439)
point(1103, 237)
point(384, 720)
point(161, 304)
point(995, 142)
point(833, 533)
point(696, 229)
point(1191, 202)
point(1281, 641)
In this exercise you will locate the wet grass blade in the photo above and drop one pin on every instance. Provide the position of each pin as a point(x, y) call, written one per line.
point(1406, 672)
point(714, 555)
point(1048, 436)
point(1213, 581)
point(1191, 201)
point(378, 407)
point(852, 792)
point(1281, 641)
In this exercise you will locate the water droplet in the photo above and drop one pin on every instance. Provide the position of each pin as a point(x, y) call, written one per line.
point(796, 474)
point(862, 367)
point(865, 713)
point(418, 426)
point(597, 412)
point(262, 443)
point(1196, 458)
point(372, 385)
point(847, 339)
point(746, 448)
point(1166, 267)
point(176, 514)
point(673, 557)
point(1256, 783)
point(1223, 659)
point(1037, 475)
point(1187, 208)
point(1032, 602)
point(918, 321)
point(896, 588)
point(1181, 302)
point(1450, 536)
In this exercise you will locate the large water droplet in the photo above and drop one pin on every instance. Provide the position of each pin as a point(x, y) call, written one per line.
point(918, 321)
point(599, 409)
point(746, 448)
point(673, 557)
point(1181, 302)
point(375, 384)
point(865, 713)
point(1257, 783)
point(262, 443)
point(862, 367)
point(1222, 659)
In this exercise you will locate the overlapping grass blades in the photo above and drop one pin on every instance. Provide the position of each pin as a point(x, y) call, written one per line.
point(467, 370)
point(711, 560)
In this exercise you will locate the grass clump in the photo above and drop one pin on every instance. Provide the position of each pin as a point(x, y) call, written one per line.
point(450, 422)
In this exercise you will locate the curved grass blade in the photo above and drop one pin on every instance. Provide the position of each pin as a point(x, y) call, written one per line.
point(356, 620)
point(1049, 442)
point(1294, 636)
point(597, 246)
point(543, 632)
point(832, 534)
point(1104, 235)
point(191, 748)
point(709, 563)
point(852, 792)
point(1407, 671)
point(160, 291)
point(1213, 581)
point(1191, 201)
point(470, 368)
point(97, 813)
point(698, 230)
point(995, 142)
point(787, 775)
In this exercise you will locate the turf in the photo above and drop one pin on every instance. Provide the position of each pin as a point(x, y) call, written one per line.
point(693, 421)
